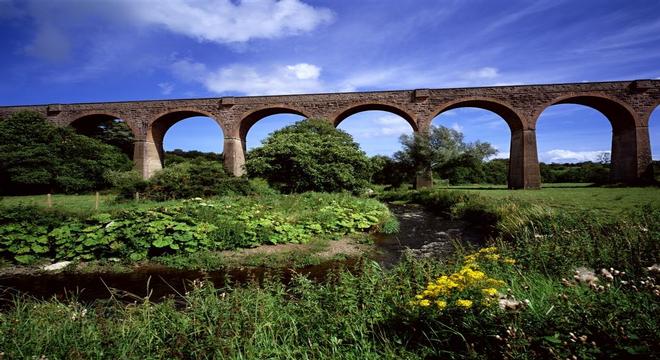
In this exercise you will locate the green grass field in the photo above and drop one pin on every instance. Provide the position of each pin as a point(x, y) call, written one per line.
point(574, 196)
point(78, 203)
point(565, 196)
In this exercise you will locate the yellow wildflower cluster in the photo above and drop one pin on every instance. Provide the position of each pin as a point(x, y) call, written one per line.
point(466, 286)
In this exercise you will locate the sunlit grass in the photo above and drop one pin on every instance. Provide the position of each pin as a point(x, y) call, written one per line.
point(574, 196)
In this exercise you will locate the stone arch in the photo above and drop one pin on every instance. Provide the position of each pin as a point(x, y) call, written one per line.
point(163, 121)
point(149, 154)
point(102, 115)
point(504, 110)
point(620, 114)
point(628, 161)
point(369, 106)
point(252, 117)
point(524, 170)
point(87, 124)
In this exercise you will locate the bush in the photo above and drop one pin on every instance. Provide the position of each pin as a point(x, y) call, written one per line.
point(38, 157)
point(126, 183)
point(185, 180)
point(310, 155)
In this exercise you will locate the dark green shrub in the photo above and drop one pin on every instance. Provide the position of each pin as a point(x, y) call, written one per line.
point(38, 157)
point(310, 155)
point(195, 178)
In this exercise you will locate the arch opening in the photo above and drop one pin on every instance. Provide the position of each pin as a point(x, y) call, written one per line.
point(378, 134)
point(625, 150)
point(478, 135)
point(107, 128)
point(376, 131)
point(375, 107)
point(574, 142)
point(185, 134)
point(266, 120)
point(654, 138)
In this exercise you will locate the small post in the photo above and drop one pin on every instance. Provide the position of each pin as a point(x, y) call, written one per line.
point(137, 196)
point(49, 200)
point(96, 205)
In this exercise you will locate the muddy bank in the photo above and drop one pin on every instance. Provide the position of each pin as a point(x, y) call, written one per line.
point(154, 283)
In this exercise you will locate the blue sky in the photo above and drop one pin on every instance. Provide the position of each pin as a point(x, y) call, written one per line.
point(78, 51)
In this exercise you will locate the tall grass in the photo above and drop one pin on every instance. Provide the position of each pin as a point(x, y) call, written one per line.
point(363, 315)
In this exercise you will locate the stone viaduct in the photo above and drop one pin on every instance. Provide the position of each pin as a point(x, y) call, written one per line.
point(627, 104)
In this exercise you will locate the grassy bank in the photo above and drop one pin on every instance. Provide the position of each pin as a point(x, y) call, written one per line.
point(368, 315)
point(531, 295)
point(147, 230)
point(573, 196)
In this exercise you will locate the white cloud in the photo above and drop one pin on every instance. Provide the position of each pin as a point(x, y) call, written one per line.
point(561, 155)
point(166, 88)
point(457, 127)
point(288, 79)
point(305, 71)
point(500, 155)
point(225, 21)
point(363, 126)
point(483, 73)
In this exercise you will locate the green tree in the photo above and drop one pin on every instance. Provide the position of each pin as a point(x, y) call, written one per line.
point(37, 157)
point(310, 155)
point(446, 153)
point(110, 131)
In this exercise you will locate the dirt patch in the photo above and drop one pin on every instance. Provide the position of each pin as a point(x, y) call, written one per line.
point(321, 249)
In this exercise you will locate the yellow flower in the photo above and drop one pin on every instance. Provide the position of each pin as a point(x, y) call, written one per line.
point(492, 257)
point(488, 250)
point(424, 303)
point(466, 304)
point(419, 297)
point(509, 261)
point(441, 304)
point(489, 291)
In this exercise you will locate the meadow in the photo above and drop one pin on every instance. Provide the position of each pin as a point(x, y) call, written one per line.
point(546, 283)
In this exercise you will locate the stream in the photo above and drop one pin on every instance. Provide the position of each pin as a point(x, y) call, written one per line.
point(425, 234)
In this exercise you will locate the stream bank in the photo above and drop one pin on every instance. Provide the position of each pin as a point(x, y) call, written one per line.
point(424, 233)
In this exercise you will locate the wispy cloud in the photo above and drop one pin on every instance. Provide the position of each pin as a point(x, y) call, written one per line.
point(166, 88)
point(225, 21)
point(563, 155)
point(50, 44)
point(483, 73)
point(243, 79)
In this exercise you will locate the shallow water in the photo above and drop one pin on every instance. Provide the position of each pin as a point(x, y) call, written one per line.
point(425, 233)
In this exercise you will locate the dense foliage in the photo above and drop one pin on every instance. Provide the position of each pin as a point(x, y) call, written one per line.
point(310, 155)
point(110, 131)
point(37, 157)
point(444, 152)
point(178, 156)
point(187, 179)
point(28, 234)
point(584, 172)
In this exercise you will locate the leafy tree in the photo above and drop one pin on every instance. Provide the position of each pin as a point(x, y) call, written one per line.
point(390, 171)
point(446, 153)
point(38, 157)
point(496, 171)
point(310, 155)
point(110, 131)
